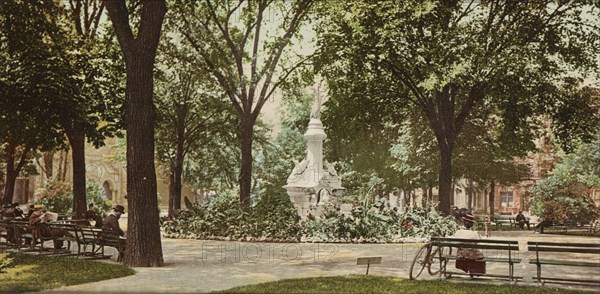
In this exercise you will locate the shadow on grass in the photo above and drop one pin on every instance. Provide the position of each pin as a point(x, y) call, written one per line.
point(35, 273)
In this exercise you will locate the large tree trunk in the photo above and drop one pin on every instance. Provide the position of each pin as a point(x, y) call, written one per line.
point(245, 178)
point(143, 231)
point(77, 141)
point(492, 197)
point(445, 179)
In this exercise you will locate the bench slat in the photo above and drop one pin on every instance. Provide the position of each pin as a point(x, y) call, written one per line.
point(563, 249)
point(474, 240)
point(564, 244)
point(477, 246)
point(490, 259)
point(564, 262)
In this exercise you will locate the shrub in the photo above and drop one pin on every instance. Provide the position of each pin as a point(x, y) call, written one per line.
point(56, 196)
point(5, 261)
point(562, 202)
point(272, 217)
point(95, 195)
point(371, 223)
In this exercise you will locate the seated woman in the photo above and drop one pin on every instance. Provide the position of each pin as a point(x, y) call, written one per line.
point(469, 259)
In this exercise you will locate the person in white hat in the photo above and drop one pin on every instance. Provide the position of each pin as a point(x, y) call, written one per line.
point(469, 259)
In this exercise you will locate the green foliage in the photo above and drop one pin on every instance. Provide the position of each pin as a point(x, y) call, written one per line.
point(56, 196)
point(459, 67)
point(566, 192)
point(5, 261)
point(272, 218)
point(95, 195)
point(33, 273)
point(370, 223)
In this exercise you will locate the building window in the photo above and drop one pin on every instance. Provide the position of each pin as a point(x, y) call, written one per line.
point(507, 199)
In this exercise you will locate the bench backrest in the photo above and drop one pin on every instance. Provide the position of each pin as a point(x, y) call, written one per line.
point(476, 243)
point(593, 248)
point(88, 235)
point(110, 239)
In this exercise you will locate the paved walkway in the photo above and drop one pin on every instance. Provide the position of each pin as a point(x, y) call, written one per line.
point(204, 266)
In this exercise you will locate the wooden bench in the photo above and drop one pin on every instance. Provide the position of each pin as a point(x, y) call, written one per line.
point(69, 234)
point(112, 239)
point(500, 220)
point(592, 250)
point(26, 233)
point(493, 251)
point(593, 227)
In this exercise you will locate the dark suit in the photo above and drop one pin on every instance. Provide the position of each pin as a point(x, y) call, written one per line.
point(111, 223)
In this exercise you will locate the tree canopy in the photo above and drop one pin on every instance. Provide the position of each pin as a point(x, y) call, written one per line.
point(443, 59)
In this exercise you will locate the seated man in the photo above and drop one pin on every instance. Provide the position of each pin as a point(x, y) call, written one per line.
point(8, 214)
point(469, 259)
point(39, 219)
point(522, 221)
point(111, 222)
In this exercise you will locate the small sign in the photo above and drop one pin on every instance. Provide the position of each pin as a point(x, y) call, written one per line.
point(368, 261)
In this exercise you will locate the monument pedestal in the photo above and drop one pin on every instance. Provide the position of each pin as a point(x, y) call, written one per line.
point(313, 183)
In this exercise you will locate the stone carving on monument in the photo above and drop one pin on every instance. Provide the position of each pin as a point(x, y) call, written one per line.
point(314, 183)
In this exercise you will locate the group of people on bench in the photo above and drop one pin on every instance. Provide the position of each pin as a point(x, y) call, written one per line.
point(38, 219)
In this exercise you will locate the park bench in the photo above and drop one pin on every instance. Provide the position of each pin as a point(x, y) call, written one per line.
point(501, 220)
point(70, 235)
point(588, 251)
point(593, 227)
point(4, 229)
point(500, 251)
point(112, 239)
point(97, 239)
point(28, 234)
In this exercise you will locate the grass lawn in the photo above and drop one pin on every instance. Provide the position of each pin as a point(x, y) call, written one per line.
point(35, 272)
point(377, 284)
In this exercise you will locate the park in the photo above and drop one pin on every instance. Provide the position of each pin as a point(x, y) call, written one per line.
point(299, 146)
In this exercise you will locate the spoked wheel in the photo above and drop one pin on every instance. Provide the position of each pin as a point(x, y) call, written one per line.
point(419, 263)
point(435, 263)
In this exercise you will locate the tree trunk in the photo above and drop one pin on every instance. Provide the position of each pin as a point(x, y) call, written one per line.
point(143, 231)
point(492, 197)
point(77, 142)
point(11, 174)
point(445, 179)
point(175, 185)
point(430, 196)
point(13, 169)
point(48, 164)
point(176, 168)
point(245, 178)
point(470, 196)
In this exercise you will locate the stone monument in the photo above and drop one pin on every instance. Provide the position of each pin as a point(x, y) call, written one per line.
point(314, 182)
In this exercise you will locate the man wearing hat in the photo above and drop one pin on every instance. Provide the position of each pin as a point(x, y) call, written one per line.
point(111, 222)
point(17, 210)
point(39, 220)
point(469, 259)
point(8, 214)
